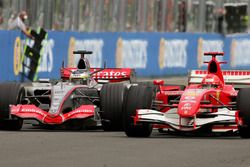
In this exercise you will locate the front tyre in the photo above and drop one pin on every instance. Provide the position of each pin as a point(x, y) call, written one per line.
point(13, 125)
point(11, 93)
point(244, 132)
point(138, 97)
point(112, 97)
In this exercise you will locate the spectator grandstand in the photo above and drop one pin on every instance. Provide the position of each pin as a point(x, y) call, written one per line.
point(223, 16)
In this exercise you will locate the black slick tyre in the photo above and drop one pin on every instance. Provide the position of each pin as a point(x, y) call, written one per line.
point(10, 94)
point(244, 132)
point(112, 96)
point(138, 97)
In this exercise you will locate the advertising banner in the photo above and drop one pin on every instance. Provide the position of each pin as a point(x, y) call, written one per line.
point(151, 54)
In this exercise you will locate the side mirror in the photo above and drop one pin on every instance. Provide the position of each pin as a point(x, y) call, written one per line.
point(158, 82)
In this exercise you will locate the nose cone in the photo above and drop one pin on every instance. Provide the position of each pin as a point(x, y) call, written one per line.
point(190, 102)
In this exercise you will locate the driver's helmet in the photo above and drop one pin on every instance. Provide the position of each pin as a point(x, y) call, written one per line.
point(79, 77)
point(211, 81)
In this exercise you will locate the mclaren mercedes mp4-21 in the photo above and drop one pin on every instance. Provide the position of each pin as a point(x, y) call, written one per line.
point(74, 101)
point(213, 101)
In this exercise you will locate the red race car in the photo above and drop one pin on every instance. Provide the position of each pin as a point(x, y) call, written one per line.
point(74, 101)
point(210, 103)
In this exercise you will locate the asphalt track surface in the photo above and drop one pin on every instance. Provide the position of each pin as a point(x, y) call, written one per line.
point(94, 148)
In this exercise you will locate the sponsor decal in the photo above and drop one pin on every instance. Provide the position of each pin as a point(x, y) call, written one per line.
point(78, 111)
point(173, 92)
point(186, 107)
point(208, 46)
point(189, 98)
point(59, 91)
point(110, 74)
point(173, 53)
point(80, 76)
point(131, 53)
point(33, 111)
point(240, 52)
point(95, 45)
point(193, 92)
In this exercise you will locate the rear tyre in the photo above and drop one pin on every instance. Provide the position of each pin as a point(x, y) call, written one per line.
point(112, 96)
point(243, 106)
point(138, 97)
point(10, 94)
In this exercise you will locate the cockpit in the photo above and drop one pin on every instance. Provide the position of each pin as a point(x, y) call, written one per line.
point(82, 74)
point(211, 81)
point(80, 77)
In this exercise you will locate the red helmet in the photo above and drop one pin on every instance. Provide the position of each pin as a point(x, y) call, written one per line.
point(211, 80)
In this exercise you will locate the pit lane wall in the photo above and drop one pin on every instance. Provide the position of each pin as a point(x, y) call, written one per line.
point(151, 54)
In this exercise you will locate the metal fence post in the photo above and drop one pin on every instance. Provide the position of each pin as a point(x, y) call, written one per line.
point(202, 9)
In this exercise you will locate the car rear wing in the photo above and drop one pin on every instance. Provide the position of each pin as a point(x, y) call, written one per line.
point(230, 76)
point(104, 75)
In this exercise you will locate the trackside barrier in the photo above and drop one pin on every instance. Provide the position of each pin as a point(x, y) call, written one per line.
point(151, 54)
